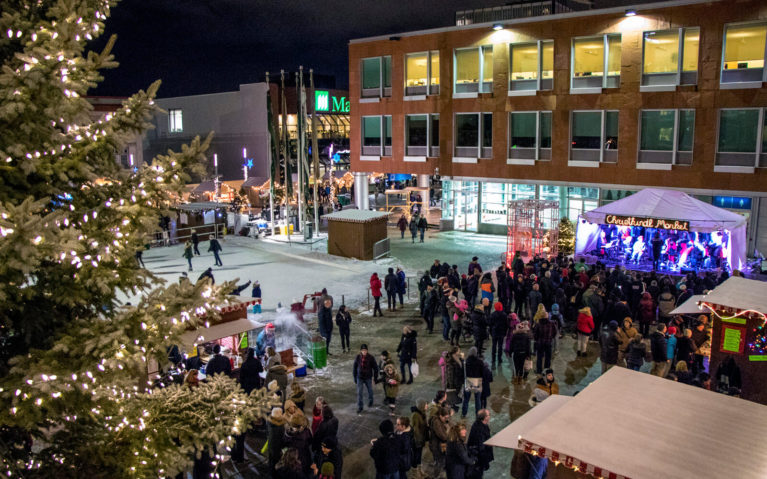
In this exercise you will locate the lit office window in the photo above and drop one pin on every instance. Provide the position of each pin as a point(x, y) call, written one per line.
point(741, 141)
point(420, 69)
point(175, 122)
point(371, 135)
point(547, 64)
point(594, 136)
point(666, 137)
point(416, 135)
point(376, 77)
point(474, 69)
point(592, 68)
point(670, 57)
point(530, 136)
point(743, 56)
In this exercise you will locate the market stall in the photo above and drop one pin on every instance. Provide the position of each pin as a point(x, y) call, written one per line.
point(693, 235)
point(621, 426)
point(353, 233)
point(739, 307)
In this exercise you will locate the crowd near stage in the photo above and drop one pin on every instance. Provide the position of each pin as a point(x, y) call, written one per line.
point(662, 230)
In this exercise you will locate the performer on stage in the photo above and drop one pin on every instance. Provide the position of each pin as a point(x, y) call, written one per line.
point(657, 247)
point(638, 249)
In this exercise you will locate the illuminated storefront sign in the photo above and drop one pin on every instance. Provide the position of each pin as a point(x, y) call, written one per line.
point(323, 101)
point(647, 222)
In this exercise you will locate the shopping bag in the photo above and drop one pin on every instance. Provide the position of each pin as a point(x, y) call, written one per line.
point(414, 369)
point(528, 364)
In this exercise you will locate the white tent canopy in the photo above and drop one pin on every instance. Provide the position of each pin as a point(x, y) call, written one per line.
point(670, 205)
point(622, 426)
point(691, 306)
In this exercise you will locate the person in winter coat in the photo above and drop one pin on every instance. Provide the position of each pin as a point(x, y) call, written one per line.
point(472, 289)
point(265, 339)
point(208, 273)
point(543, 334)
point(408, 352)
point(473, 382)
point(520, 350)
point(404, 433)
point(325, 320)
point(422, 225)
point(297, 395)
point(215, 248)
point(375, 291)
point(365, 369)
point(499, 326)
point(636, 353)
point(479, 327)
point(423, 284)
point(255, 292)
point(434, 270)
point(728, 376)
point(343, 321)
point(671, 339)
point(218, 364)
point(327, 428)
point(298, 436)
point(659, 351)
point(457, 459)
point(584, 326)
point(457, 320)
point(625, 334)
point(250, 371)
point(317, 417)
point(683, 375)
point(486, 286)
point(386, 451)
point(391, 382)
point(413, 226)
point(390, 285)
point(480, 432)
point(610, 344)
point(646, 313)
point(420, 430)
point(188, 254)
point(401, 286)
point(438, 432)
point(196, 243)
point(474, 266)
point(666, 304)
point(454, 376)
point(402, 225)
point(328, 455)
point(431, 302)
point(520, 295)
point(535, 298)
point(275, 433)
point(685, 348)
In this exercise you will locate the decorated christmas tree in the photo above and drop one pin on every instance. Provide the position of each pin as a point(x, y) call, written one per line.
point(566, 240)
point(77, 399)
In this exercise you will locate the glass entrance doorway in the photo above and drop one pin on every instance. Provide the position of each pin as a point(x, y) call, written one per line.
point(460, 201)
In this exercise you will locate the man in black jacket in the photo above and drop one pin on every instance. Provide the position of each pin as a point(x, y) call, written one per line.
point(434, 270)
point(364, 371)
point(423, 283)
point(659, 351)
point(215, 247)
point(610, 346)
point(499, 326)
point(218, 363)
point(480, 432)
point(325, 320)
point(390, 285)
point(385, 451)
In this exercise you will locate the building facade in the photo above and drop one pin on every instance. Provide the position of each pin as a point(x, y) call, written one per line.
point(584, 107)
point(238, 120)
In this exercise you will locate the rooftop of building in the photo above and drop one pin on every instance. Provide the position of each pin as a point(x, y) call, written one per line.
point(638, 8)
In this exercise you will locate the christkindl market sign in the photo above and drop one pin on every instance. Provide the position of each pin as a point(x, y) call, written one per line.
point(648, 222)
point(323, 101)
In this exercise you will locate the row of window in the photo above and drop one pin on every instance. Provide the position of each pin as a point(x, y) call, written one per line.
point(665, 136)
point(669, 58)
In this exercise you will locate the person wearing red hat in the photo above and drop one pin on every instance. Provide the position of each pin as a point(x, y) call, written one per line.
point(265, 339)
point(499, 326)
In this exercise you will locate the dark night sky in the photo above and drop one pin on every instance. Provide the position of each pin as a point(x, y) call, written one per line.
point(206, 46)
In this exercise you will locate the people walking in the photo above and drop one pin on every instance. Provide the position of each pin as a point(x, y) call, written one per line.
point(364, 371)
point(499, 326)
point(519, 349)
point(584, 326)
point(375, 291)
point(325, 320)
point(215, 247)
point(140, 258)
point(188, 254)
point(391, 380)
point(390, 285)
point(196, 242)
point(543, 333)
point(401, 285)
point(343, 321)
point(413, 226)
point(422, 225)
point(402, 225)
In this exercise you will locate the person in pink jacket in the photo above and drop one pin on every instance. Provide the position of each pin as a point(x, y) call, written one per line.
point(584, 326)
point(375, 290)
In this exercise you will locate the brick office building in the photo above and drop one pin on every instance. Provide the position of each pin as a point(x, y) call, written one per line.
point(583, 107)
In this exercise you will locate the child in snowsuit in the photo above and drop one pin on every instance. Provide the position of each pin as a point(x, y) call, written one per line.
point(391, 387)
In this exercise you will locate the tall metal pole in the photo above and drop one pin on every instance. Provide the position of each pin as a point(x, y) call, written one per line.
point(315, 156)
point(272, 150)
point(299, 152)
point(285, 147)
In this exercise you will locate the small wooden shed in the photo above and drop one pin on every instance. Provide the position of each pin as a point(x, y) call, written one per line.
point(352, 233)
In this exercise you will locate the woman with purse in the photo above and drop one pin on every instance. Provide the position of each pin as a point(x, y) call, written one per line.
point(521, 353)
point(454, 377)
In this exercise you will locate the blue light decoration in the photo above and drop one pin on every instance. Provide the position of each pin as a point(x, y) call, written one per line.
point(336, 158)
point(399, 177)
point(733, 202)
point(249, 163)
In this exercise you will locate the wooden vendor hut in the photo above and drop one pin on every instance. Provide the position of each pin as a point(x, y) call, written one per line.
point(738, 308)
point(352, 233)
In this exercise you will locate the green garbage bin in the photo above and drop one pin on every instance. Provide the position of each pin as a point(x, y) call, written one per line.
point(319, 354)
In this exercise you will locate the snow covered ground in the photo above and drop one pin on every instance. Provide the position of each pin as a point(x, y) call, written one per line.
point(288, 271)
